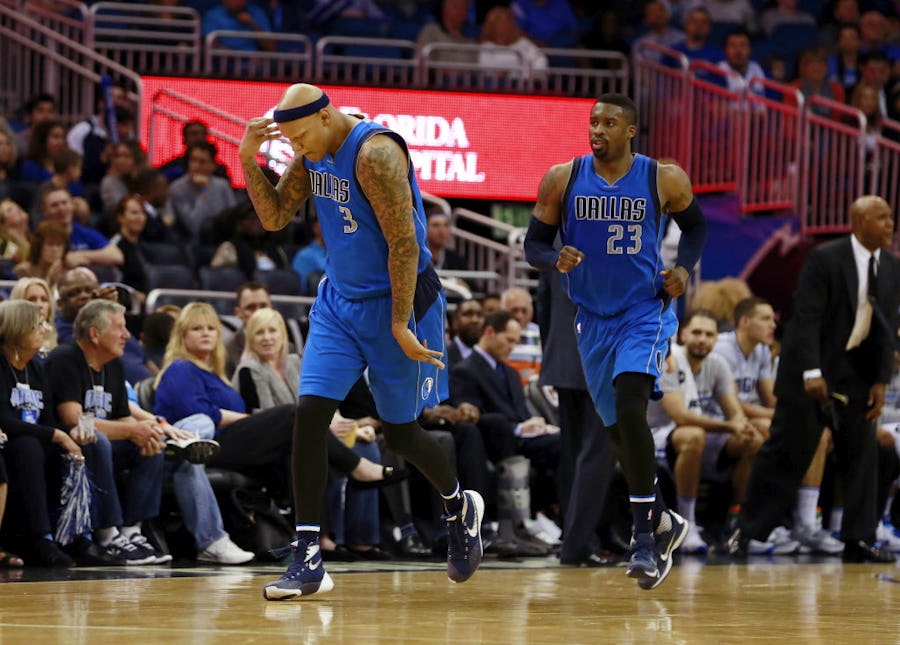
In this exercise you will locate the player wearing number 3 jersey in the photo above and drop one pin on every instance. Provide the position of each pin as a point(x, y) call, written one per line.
point(379, 307)
point(609, 209)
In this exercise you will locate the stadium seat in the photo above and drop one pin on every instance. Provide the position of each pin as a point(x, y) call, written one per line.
point(169, 277)
point(221, 278)
point(286, 283)
point(720, 31)
point(165, 253)
point(793, 39)
point(280, 281)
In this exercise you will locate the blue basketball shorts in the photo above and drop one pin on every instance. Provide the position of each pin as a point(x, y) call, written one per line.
point(347, 336)
point(636, 340)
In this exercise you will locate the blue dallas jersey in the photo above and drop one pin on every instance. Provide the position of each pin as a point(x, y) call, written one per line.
point(619, 228)
point(357, 253)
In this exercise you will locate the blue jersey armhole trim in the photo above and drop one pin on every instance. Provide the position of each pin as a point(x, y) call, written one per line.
point(576, 170)
point(653, 181)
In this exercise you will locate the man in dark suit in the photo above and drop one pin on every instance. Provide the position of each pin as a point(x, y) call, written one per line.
point(512, 436)
point(586, 464)
point(487, 382)
point(466, 326)
point(837, 359)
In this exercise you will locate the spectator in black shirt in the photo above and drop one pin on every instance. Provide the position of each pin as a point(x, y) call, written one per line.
point(34, 445)
point(87, 379)
point(131, 218)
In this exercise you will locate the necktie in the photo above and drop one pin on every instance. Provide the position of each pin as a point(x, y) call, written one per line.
point(504, 378)
point(873, 278)
point(863, 321)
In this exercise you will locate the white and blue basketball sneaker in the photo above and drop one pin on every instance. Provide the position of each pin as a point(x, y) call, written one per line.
point(305, 575)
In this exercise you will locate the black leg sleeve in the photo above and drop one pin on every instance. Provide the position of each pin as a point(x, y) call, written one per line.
point(637, 453)
point(309, 456)
point(340, 457)
point(415, 445)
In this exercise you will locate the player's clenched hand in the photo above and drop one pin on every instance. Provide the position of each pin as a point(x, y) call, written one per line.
point(415, 350)
point(674, 280)
point(569, 258)
point(258, 130)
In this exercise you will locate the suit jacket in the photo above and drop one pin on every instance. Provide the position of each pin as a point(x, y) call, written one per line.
point(824, 313)
point(452, 261)
point(452, 356)
point(474, 381)
point(561, 364)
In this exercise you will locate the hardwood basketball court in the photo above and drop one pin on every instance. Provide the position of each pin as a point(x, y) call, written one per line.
point(534, 602)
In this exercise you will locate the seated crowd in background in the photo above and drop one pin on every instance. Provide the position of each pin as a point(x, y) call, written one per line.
point(80, 207)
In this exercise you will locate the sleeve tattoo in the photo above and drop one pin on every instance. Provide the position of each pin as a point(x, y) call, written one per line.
point(382, 170)
point(276, 205)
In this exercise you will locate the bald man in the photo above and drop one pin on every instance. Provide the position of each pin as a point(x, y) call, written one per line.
point(381, 307)
point(837, 359)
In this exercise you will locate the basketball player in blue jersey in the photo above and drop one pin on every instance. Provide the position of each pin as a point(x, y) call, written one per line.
point(609, 208)
point(379, 307)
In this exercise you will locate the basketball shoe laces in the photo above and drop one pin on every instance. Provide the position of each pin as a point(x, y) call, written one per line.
point(457, 532)
point(298, 564)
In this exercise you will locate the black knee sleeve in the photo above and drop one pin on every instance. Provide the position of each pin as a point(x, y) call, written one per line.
point(636, 452)
point(418, 447)
point(632, 394)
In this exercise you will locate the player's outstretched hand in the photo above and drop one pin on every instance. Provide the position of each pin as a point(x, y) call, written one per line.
point(415, 350)
point(674, 280)
point(258, 130)
point(569, 258)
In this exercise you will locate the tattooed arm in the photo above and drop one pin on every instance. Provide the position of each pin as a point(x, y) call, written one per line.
point(382, 168)
point(275, 205)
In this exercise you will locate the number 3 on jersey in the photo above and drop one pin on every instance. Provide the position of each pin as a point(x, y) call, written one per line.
point(616, 245)
point(351, 225)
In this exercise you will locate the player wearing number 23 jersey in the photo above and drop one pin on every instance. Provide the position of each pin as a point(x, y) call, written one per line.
point(608, 210)
point(625, 318)
point(619, 228)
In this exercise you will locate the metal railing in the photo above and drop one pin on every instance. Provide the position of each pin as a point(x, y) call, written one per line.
point(570, 72)
point(885, 168)
point(158, 297)
point(498, 264)
point(456, 66)
point(834, 168)
point(170, 110)
point(718, 122)
point(292, 65)
point(582, 72)
point(38, 59)
point(663, 79)
point(771, 174)
point(767, 142)
point(382, 62)
point(67, 18)
point(146, 38)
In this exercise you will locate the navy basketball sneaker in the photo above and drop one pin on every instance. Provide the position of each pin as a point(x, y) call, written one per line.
point(464, 547)
point(642, 564)
point(304, 576)
point(667, 540)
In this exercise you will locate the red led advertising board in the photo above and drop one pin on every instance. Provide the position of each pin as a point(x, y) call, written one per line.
point(463, 145)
